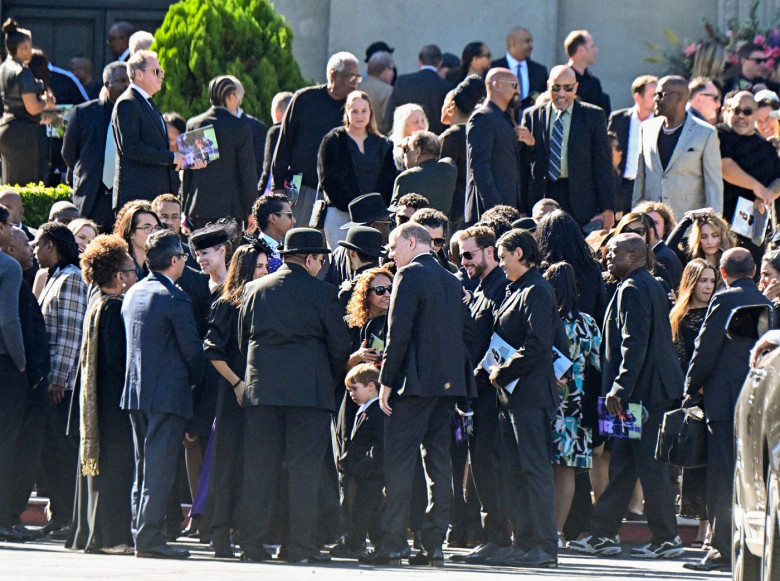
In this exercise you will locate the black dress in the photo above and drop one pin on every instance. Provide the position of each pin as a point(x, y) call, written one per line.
point(221, 344)
point(22, 137)
point(101, 514)
point(694, 480)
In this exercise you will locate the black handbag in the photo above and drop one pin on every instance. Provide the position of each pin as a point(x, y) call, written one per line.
point(318, 211)
point(682, 438)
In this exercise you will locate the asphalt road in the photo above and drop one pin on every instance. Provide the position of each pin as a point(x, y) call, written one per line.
point(47, 560)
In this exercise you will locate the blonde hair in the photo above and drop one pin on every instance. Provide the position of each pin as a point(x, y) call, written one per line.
point(354, 95)
point(719, 225)
point(364, 374)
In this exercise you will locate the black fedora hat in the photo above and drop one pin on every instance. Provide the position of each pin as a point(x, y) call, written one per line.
point(366, 209)
point(365, 240)
point(304, 241)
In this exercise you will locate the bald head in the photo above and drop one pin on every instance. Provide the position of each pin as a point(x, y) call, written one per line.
point(737, 263)
point(740, 113)
point(562, 86)
point(675, 83)
point(625, 254)
point(13, 201)
point(502, 87)
point(633, 243)
point(19, 248)
point(519, 43)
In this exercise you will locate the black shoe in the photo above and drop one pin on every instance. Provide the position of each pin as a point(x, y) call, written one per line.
point(27, 534)
point(256, 555)
point(9, 535)
point(222, 547)
point(713, 561)
point(433, 559)
point(163, 552)
point(61, 534)
point(50, 526)
point(344, 551)
point(383, 556)
point(534, 558)
point(480, 555)
point(502, 555)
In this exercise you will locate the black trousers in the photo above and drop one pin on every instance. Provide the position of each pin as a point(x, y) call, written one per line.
point(13, 388)
point(365, 509)
point(28, 468)
point(299, 437)
point(417, 421)
point(157, 440)
point(102, 212)
point(720, 483)
point(60, 459)
point(558, 190)
point(532, 479)
point(632, 459)
point(487, 468)
point(624, 193)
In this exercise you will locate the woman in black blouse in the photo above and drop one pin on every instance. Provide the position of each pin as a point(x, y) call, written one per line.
point(353, 160)
point(22, 137)
point(249, 262)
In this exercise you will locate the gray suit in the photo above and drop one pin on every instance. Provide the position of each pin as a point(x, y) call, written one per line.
point(692, 178)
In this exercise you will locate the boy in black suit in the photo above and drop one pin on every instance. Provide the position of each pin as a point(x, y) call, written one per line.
point(361, 463)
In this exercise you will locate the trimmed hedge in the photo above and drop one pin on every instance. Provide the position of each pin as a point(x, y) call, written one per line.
point(38, 200)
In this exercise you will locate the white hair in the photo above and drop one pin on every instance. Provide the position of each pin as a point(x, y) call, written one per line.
point(140, 40)
point(337, 61)
point(400, 115)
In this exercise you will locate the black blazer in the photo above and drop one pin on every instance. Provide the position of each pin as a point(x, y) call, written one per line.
point(720, 365)
point(271, 139)
point(638, 359)
point(537, 81)
point(427, 89)
point(620, 123)
point(591, 183)
point(528, 320)
point(259, 133)
point(144, 167)
point(292, 331)
point(493, 163)
point(84, 149)
point(434, 178)
point(453, 145)
point(425, 353)
point(338, 177)
point(364, 454)
point(227, 186)
point(669, 260)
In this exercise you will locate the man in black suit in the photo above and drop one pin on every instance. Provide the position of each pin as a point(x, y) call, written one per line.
point(717, 370)
point(145, 166)
point(531, 76)
point(89, 150)
point(569, 140)
point(425, 370)
point(625, 124)
point(426, 174)
point(164, 359)
point(582, 52)
point(492, 149)
point(425, 87)
point(292, 332)
point(227, 186)
point(638, 365)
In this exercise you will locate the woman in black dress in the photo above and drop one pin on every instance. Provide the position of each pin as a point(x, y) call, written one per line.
point(699, 281)
point(249, 262)
point(22, 137)
point(101, 515)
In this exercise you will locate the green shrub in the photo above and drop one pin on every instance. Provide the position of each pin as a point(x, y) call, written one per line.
point(201, 39)
point(38, 200)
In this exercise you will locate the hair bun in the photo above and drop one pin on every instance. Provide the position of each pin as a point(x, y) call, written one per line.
point(10, 26)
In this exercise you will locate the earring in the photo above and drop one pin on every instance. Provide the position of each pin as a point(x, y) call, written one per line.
point(124, 285)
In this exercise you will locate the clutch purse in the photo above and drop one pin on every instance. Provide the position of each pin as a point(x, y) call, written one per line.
point(682, 438)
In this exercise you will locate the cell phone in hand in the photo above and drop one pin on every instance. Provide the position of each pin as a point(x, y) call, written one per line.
point(592, 226)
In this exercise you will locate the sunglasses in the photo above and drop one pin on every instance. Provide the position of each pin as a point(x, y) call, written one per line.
point(381, 290)
point(438, 241)
point(758, 60)
point(747, 112)
point(641, 230)
point(351, 77)
point(662, 94)
point(468, 255)
point(158, 72)
point(283, 213)
point(513, 83)
point(568, 88)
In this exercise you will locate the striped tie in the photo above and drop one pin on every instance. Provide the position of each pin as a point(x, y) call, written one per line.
point(556, 147)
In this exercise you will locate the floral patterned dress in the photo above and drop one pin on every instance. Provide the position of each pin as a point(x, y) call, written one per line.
point(572, 440)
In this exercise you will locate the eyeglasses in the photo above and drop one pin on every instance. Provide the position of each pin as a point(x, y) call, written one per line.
point(351, 77)
point(283, 213)
point(380, 290)
point(469, 255)
point(568, 88)
point(149, 228)
point(662, 94)
point(759, 60)
point(183, 255)
point(127, 270)
point(514, 84)
point(641, 230)
point(438, 241)
point(747, 112)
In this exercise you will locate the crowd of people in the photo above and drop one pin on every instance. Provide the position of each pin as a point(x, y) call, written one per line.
point(392, 268)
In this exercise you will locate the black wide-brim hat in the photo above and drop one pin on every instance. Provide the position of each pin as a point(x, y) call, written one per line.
point(365, 240)
point(304, 241)
point(366, 209)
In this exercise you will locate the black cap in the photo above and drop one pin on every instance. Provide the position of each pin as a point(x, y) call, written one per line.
point(377, 47)
point(526, 223)
point(366, 209)
point(304, 241)
point(363, 239)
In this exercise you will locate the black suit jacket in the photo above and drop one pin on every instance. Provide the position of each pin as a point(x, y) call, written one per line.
point(591, 184)
point(668, 259)
point(638, 359)
point(493, 163)
point(537, 82)
point(435, 179)
point(259, 133)
point(271, 139)
point(719, 364)
point(291, 330)
point(144, 168)
point(453, 145)
point(84, 150)
point(528, 320)
point(427, 89)
point(364, 454)
point(425, 354)
point(227, 186)
point(620, 123)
